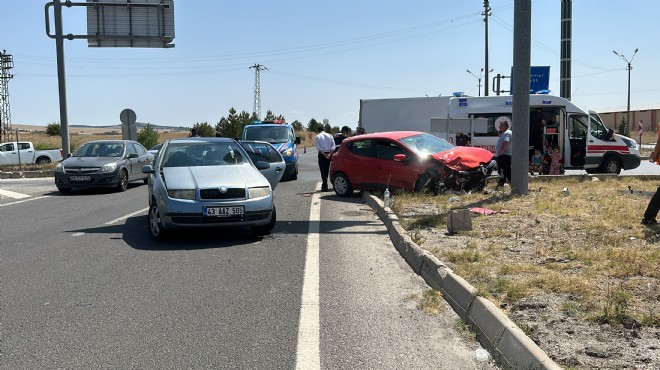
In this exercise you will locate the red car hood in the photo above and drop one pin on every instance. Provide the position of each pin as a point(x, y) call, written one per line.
point(463, 158)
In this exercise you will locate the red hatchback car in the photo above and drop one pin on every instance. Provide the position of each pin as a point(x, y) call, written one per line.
point(407, 160)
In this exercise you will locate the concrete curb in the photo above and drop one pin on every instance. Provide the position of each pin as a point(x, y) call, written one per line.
point(509, 345)
point(26, 174)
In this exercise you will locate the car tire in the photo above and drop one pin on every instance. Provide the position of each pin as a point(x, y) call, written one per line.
point(64, 190)
point(422, 182)
point(612, 165)
point(146, 180)
point(155, 223)
point(265, 229)
point(43, 160)
point(294, 175)
point(342, 185)
point(123, 180)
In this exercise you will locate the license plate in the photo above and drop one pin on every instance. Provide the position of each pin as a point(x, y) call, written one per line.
point(223, 211)
point(80, 178)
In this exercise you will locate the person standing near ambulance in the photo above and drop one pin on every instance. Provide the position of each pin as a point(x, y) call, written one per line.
point(503, 151)
point(654, 204)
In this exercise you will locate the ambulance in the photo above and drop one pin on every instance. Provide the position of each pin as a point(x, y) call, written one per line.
point(583, 139)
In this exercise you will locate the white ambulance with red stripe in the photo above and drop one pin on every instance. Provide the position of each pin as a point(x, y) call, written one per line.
point(583, 139)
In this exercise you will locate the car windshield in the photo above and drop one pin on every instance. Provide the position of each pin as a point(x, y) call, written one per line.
point(195, 153)
point(156, 147)
point(270, 134)
point(426, 144)
point(100, 149)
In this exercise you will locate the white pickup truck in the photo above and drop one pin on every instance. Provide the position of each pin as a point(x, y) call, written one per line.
point(23, 152)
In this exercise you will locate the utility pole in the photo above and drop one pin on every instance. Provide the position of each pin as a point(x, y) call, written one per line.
point(486, 13)
point(522, 43)
point(6, 63)
point(565, 59)
point(257, 89)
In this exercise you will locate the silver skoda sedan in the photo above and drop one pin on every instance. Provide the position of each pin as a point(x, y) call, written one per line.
point(212, 182)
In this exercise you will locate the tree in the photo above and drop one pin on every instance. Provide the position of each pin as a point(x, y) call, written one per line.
point(622, 128)
point(297, 126)
point(148, 136)
point(232, 125)
point(54, 129)
point(313, 125)
point(204, 129)
point(327, 127)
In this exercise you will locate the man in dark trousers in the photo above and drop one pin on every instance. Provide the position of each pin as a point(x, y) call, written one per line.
point(654, 204)
point(462, 139)
point(325, 145)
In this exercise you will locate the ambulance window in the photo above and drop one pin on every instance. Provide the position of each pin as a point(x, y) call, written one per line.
point(491, 117)
point(577, 128)
point(598, 130)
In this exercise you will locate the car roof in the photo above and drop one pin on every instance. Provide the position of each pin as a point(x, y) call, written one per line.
point(394, 135)
point(203, 140)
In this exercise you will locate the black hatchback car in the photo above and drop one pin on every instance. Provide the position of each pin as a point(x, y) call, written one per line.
point(103, 164)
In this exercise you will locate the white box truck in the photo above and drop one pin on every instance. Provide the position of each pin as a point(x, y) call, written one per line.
point(584, 140)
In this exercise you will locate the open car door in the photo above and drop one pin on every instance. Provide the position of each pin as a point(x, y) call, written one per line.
point(261, 151)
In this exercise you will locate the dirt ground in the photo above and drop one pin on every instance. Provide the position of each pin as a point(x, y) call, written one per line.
point(565, 335)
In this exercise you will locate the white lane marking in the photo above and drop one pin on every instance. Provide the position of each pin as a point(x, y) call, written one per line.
point(12, 194)
point(77, 234)
point(25, 200)
point(308, 354)
point(122, 218)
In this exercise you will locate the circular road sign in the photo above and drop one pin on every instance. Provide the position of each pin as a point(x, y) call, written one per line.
point(127, 117)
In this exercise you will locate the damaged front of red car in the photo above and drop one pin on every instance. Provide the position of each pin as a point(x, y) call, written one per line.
point(463, 168)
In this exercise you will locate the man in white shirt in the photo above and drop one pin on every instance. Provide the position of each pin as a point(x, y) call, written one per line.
point(325, 144)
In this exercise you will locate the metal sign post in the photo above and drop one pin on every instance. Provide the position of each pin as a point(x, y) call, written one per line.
point(111, 23)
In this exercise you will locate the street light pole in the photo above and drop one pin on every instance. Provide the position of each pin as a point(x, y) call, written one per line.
point(481, 75)
point(629, 68)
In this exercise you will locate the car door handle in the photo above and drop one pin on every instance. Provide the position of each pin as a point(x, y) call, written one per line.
point(278, 169)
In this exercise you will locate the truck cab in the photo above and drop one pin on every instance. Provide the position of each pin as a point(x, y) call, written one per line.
point(583, 139)
point(282, 136)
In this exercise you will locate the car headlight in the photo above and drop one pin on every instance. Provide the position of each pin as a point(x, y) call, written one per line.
point(110, 167)
point(59, 168)
point(181, 193)
point(287, 152)
point(262, 191)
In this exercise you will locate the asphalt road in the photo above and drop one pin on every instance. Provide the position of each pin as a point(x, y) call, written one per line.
point(82, 285)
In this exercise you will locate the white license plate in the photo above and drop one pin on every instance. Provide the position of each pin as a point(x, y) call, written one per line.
point(223, 211)
point(80, 178)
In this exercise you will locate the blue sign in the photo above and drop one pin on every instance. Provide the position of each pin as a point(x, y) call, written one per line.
point(539, 80)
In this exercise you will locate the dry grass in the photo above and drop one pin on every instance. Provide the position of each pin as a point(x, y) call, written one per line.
point(585, 245)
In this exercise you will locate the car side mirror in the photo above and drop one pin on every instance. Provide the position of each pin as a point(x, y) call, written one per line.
point(147, 168)
point(400, 158)
point(133, 155)
point(297, 141)
point(262, 165)
point(68, 155)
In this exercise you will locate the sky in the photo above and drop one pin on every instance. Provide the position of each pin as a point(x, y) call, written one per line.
point(322, 57)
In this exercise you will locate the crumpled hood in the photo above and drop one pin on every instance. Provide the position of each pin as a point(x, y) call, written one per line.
point(463, 158)
point(203, 177)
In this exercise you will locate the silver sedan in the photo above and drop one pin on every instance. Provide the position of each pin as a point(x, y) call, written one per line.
point(211, 182)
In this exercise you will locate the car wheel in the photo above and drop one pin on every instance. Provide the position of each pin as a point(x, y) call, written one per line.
point(265, 229)
point(342, 185)
point(611, 165)
point(155, 223)
point(123, 180)
point(146, 180)
point(64, 190)
point(294, 175)
point(43, 160)
point(423, 182)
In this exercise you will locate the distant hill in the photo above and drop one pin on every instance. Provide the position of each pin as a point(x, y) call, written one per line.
point(102, 128)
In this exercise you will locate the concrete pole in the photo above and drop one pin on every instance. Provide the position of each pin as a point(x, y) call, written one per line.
point(61, 79)
point(522, 30)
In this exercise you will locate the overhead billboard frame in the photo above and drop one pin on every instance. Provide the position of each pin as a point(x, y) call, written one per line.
point(124, 23)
